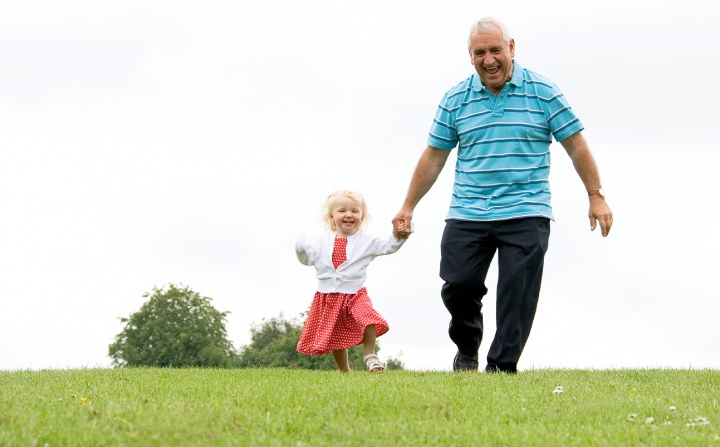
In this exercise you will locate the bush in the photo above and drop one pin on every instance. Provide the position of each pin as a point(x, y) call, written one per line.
point(174, 328)
point(274, 342)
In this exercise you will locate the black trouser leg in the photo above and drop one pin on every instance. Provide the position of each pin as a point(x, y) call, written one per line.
point(522, 245)
point(466, 253)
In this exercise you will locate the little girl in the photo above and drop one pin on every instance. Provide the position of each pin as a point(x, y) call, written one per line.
point(341, 314)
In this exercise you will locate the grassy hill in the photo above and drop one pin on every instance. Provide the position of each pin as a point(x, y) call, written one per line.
point(279, 407)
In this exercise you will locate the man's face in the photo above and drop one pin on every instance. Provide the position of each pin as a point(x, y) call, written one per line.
point(492, 58)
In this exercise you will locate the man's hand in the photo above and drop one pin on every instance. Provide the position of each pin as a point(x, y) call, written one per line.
point(402, 224)
point(600, 213)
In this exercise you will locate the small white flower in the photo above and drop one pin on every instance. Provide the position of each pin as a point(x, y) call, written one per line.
point(558, 390)
point(698, 421)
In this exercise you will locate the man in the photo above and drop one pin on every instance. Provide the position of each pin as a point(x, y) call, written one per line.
point(503, 119)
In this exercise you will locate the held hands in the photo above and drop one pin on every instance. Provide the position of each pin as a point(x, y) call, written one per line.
point(600, 213)
point(402, 224)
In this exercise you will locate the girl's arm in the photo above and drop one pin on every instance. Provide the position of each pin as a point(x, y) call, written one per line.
point(391, 244)
point(305, 250)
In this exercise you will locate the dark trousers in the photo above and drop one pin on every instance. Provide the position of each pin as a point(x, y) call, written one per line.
point(467, 249)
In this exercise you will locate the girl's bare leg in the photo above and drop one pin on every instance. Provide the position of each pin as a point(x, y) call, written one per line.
point(369, 337)
point(341, 358)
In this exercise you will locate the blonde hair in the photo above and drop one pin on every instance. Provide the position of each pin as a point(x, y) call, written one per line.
point(327, 209)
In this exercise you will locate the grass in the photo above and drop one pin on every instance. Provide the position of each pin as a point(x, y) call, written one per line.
point(277, 407)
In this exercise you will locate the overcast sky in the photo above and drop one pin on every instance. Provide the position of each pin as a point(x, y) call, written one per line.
point(151, 142)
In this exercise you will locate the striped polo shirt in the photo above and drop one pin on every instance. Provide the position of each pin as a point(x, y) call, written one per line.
point(503, 159)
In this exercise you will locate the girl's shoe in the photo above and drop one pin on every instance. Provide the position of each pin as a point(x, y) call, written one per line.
point(373, 363)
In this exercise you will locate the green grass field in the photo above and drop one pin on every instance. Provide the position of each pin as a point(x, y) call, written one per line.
point(277, 407)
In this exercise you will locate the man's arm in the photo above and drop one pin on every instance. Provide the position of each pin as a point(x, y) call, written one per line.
point(579, 152)
point(426, 173)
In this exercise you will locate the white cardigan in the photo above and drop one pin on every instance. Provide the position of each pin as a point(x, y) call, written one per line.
point(350, 276)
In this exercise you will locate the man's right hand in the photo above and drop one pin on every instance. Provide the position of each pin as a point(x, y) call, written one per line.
point(402, 224)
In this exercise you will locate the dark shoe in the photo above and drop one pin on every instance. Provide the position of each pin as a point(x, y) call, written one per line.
point(464, 362)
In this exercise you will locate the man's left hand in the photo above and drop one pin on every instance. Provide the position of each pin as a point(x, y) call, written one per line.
point(600, 213)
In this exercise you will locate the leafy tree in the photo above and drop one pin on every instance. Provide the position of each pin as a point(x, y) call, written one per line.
point(174, 328)
point(274, 341)
point(393, 363)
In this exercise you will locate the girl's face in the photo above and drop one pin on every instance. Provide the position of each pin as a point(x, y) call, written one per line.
point(347, 216)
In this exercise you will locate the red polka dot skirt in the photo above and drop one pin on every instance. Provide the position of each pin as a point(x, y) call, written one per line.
point(337, 320)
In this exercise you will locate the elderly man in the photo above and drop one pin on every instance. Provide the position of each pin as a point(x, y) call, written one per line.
point(502, 119)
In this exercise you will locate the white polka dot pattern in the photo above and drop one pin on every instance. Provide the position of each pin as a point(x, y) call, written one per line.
point(339, 254)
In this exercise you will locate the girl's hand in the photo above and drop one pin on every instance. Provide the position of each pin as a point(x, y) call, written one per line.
point(402, 226)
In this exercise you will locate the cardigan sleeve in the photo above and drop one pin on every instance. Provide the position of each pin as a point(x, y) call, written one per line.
point(389, 245)
point(305, 249)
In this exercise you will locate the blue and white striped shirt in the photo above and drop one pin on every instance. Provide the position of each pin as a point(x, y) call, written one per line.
point(503, 159)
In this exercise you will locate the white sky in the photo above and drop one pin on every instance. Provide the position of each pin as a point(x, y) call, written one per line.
point(152, 142)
